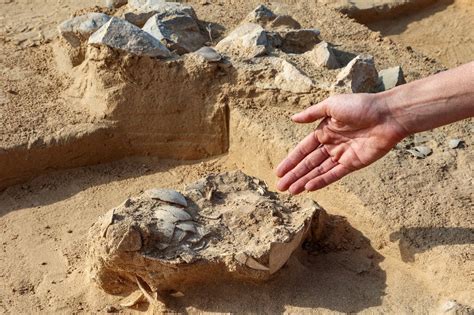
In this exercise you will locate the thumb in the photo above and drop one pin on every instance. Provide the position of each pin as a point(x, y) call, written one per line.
point(311, 113)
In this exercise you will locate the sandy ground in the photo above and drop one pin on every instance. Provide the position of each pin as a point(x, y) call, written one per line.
point(404, 234)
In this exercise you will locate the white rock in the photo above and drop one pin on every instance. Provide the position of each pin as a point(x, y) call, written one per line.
point(180, 32)
point(115, 3)
point(248, 40)
point(261, 15)
point(323, 56)
point(288, 79)
point(390, 78)
point(167, 195)
point(142, 11)
point(81, 27)
point(455, 143)
point(210, 54)
point(359, 76)
point(120, 34)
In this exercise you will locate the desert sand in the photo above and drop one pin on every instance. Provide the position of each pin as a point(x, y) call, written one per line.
point(400, 233)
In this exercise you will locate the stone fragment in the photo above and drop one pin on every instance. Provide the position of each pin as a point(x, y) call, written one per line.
point(79, 28)
point(323, 56)
point(285, 21)
point(115, 3)
point(288, 78)
point(142, 11)
point(455, 143)
point(261, 15)
point(167, 195)
point(181, 32)
point(299, 41)
point(120, 34)
point(420, 152)
point(210, 54)
point(390, 78)
point(359, 76)
point(222, 238)
point(247, 41)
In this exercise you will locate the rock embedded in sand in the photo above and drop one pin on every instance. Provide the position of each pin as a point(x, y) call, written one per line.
point(455, 143)
point(246, 41)
point(284, 21)
point(323, 56)
point(390, 78)
point(261, 15)
point(299, 41)
point(79, 28)
point(115, 3)
point(232, 228)
point(120, 34)
point(142, 11)
point(359, 76)
point(288, 79)
point(210, 54)
point(180, 32)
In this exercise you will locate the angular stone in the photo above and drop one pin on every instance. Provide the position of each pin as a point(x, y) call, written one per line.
point(142, 11)
point(261, 15)
point(288, 79)
point(115, 3)
point(120, 34)
point(167, 195)
point(210, 54)
point(180, 32)
point(323, 56)
point(79, 28)
point(285, 21)
point(390, 78)
point(359, 76)
point(222, 238)
point(247, 41)
point(299, 41)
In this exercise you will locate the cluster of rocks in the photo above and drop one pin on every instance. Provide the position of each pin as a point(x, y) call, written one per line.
point(228, 225)
point(156, 28)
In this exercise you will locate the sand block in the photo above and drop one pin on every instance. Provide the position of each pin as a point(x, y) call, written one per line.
point(79, 28)
point(180, 32)
point(323, 55)
point(231, 228)
point(120, 34)
point(299, 41)
point(141, 11)
point(359, 76)
point(390, 78)
point(247, 41)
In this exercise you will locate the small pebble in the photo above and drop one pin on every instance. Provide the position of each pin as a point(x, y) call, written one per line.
point(455, 143)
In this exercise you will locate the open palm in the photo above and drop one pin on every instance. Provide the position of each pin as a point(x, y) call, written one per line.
point(356, 130)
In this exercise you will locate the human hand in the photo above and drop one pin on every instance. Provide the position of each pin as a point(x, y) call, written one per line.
point(356, 130)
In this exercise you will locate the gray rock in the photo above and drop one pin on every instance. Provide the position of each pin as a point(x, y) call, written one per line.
point(210, 54)
point(261, 15)
point(167, 195)
point(323, 56)
point(300, 41)
point(285, 21)
point(455, 143)
point(247, 41)
point(120, 34)
point(115, 3)
point(142, 11)
point(79, 28)
point(359, 76)
point(390, 78)
point(420, 152)
point(180, 32)
point(288, 79)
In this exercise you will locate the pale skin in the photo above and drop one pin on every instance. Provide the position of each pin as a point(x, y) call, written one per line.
point(358, 129)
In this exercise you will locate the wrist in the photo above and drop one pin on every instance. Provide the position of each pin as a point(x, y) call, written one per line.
point(395, 112)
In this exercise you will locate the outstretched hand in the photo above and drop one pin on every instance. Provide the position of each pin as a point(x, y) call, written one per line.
point(355, 131)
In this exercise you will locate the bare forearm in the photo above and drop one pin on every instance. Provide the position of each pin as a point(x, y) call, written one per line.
point(434, 101)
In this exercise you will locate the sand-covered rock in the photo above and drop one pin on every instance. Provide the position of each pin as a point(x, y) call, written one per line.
point(299, 40)
point(247, 40)
point(261, 15)
point(209, 54)
point(79, 28)
point(230, 226)
point(288, 78)
point(115, 3)
point(284, 21)
point(180, 32)
point(391, 77)
point(120, 34)
point(359, 76)
point(141, 11)
point(323, 55)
